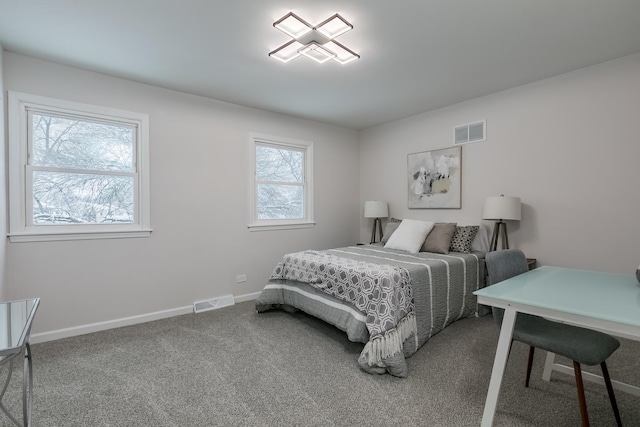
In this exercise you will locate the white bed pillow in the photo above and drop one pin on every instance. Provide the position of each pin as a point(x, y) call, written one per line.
point(409, 236)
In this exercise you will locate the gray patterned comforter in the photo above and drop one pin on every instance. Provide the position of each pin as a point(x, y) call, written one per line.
point(406, 298)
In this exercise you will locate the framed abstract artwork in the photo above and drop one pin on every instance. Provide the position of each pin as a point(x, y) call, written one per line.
point(434, 179)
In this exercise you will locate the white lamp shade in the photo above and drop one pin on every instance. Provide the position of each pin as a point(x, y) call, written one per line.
point(376, 209)
point(502, 207)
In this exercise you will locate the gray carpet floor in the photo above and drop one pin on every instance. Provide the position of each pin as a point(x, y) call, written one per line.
point(235, 367)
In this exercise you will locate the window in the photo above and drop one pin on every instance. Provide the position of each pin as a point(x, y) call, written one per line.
point(281, 191)
point(76, 171)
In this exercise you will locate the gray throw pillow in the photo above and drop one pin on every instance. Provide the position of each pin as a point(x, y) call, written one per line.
point(463, 238)
point(392, 225)
point(439, 239)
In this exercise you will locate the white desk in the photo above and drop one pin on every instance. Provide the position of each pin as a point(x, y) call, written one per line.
point(604, 301)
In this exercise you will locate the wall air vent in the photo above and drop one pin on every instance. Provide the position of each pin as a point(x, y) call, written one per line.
point(212, 304)
point(470, 132)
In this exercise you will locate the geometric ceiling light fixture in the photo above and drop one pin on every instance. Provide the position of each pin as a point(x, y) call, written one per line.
point(317, 43)
point(334, 26)
point(292, 25)
point(317, 52)
point(287, 51)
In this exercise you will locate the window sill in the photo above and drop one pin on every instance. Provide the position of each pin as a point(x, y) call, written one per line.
point(49, 237)
point(269, 227)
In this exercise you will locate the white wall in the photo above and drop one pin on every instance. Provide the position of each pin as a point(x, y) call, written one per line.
point(568, 146)
point(199, 153)
point(3, 191)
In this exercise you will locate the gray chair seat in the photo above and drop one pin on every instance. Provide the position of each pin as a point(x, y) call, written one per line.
point(585, 346)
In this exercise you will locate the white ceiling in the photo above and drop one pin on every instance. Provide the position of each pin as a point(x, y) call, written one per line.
point(417, 55)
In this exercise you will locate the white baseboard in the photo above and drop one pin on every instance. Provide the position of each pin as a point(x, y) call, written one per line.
point(246, 297)
point(125, 321)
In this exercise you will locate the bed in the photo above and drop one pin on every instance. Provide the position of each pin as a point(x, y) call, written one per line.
point(391, 300)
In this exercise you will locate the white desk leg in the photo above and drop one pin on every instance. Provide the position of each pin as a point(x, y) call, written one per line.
point(548, 366)
point(499, 365)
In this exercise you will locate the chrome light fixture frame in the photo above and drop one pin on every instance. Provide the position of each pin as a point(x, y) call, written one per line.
point(315, 42)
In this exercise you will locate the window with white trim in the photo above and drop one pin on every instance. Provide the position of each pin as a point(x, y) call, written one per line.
point(281, 188)
point(76, 171)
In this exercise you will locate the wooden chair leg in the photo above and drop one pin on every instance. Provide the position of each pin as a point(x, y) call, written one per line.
point(612, 397)
point(532, 349)
point(581, 398)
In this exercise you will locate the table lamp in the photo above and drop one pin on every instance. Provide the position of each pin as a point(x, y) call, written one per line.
point(501, 208)
point(376, 209)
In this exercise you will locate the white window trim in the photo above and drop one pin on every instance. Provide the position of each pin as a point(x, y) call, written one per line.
point(20, 229)
point(256, 224)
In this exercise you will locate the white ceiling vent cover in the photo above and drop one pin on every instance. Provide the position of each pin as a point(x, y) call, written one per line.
point(470, 132)
point(212, 304)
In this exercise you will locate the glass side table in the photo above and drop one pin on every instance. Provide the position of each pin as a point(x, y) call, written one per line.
point(15, 329)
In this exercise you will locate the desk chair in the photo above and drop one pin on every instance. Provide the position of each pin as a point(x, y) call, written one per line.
point(582, 346)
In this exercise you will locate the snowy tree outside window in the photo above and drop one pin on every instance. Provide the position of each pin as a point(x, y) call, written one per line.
point(282, 190)
point(83, 171)
point(76, 171)
point(280, 181)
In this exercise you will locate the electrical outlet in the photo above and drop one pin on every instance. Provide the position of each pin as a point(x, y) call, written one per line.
point(241, 278)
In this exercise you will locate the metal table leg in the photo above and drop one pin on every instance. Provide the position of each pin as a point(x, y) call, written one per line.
point(4, 389)
point(27, 385)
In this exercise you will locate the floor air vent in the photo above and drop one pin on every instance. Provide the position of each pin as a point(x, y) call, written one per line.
point(212, 304)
